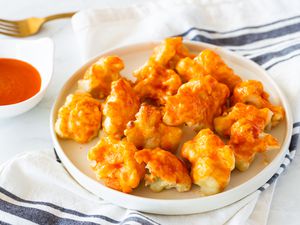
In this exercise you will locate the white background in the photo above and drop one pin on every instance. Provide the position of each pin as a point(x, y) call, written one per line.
point(30, 131)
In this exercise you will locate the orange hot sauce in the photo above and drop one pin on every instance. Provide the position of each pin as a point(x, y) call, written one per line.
point(18, 81)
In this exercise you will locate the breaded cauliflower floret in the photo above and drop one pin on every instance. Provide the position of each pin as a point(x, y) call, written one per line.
point(113, 162)
point(148, 130)
point(252, 92)
point(79, 118)
point(213, 65)
point(165, 170)
point(120, 107)
point(260, 117)
point(212, 161)
point(246, 140)
point(188, 69)
point(169, 52)
point(157, 83)
point(166, 55)
point(196, 103)
point(99, 76)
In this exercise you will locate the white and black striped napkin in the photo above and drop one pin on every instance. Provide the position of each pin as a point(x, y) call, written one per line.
point(35, 188)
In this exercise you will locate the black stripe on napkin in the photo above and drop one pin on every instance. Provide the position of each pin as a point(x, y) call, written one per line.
point(249, 37)
point(4, 223)
point(132, 217)
point(245, 51)
point(64, 210)
point(288, 157)
point(280, 61)
point(273, 178)
point(56, 156)
point(261, 189)
point(294, 142)
point(297, 124)
point(43, 217)
point(37, 215)
point(252, 37)
point(261, 59)
point(239, 29)
point(283, 166)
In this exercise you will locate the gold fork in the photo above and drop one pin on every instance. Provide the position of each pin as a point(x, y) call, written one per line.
point(29, 26)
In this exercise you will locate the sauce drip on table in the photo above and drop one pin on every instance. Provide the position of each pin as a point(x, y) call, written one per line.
point(18, 81)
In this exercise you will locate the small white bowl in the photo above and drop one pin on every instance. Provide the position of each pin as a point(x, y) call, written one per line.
point(38, 53)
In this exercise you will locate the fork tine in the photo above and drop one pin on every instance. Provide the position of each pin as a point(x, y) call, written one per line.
point(10, 34)
point(9, 24)
point(8, 28)
point(9, 21)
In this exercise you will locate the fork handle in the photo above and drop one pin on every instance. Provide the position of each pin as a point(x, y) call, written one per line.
point(59, 16)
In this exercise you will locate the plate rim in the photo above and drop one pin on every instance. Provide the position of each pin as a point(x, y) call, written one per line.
point(271, 168)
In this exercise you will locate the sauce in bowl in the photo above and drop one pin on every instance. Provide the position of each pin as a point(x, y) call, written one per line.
point(18, 81)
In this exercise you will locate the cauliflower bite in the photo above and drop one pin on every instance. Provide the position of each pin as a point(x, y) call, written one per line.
point(170, 52)
point(79, 118)
point(252, 92)
point(246, 140)
point(166, 55)
point(157, 84)
point(260, 117)
point(212, 161)
point(148, 130)
point(165, 170)
point(196, 103)
point(188, 69)
point(113, 162)
point(213, 65)
point(99, 76)
point(120, 107)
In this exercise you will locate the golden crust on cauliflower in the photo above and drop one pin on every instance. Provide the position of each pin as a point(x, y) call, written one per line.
point(246, 140)
point(188, 69)
point(120, 107)
point(79, 118)
point(252, 92)
point(148, 130)
point(214, 65)
point(167, 54)
point(165, 170)
point(114, 163)
point(212, 161)
point(156, 79)
point(157, 83)
point(260, 117)
point(99, 76)
point(196, 103)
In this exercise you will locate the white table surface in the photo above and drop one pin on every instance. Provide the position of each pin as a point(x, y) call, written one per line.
point(30, 131)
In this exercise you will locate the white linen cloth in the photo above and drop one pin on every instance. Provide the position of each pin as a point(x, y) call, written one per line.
point(34, 188)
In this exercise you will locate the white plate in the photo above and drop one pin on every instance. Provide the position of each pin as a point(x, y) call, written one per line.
point(73, 155)
point(38, 53)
